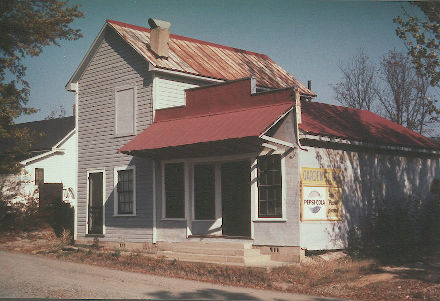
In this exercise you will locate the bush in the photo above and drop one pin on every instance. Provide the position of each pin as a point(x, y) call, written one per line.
point(396, 231)
point(22, 216)
point(60, 216)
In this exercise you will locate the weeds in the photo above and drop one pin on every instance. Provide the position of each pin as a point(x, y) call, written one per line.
point(396, 232)
point(116, 253)
point(334, 278)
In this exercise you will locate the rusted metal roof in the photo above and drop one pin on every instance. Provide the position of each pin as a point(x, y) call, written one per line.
point(208, 59)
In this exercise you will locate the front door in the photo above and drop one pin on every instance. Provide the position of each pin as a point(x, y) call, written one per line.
point(236, 199)
point(95, 208)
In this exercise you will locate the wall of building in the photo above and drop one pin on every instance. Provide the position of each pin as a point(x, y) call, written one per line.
point(285, 232)
point(58, 168)
point(114, 64)
point(169, 91)
point(368, 177)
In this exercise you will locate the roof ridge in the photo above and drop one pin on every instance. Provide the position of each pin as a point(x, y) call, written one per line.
point(44, 120)
point(338, 106)
point(179, 37)
point(225, 112)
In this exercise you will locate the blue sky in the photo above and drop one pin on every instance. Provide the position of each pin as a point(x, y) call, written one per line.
point(307, 38)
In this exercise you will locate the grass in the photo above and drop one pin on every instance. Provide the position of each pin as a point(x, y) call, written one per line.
point(343, 278)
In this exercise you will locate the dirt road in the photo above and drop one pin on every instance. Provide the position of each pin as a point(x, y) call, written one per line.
point(28, 276)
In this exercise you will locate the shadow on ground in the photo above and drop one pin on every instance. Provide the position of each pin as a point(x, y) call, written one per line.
point(215, 294)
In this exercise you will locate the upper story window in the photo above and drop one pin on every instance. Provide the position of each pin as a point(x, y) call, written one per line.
point(39, 176)
point(269, 187)
point(125, 196)
point(125, 111)
point(174, 184)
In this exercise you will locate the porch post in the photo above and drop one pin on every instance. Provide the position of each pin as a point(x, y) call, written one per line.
point(188, 211)
point(254, 193)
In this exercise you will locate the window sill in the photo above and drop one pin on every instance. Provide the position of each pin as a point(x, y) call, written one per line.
point(124, 215)
point(124, 135)
point(204, 220)
point(94, 235)
point(165, 219)
point(270, 219)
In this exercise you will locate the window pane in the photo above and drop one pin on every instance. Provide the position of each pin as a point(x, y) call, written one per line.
point(269, 186)
point(39, 176)
point(124, 107)
point(204, 192)
point(174, 190)
point(125, 191)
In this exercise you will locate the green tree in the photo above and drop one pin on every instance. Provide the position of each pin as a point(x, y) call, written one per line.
point(26, 26)
point(422, 38)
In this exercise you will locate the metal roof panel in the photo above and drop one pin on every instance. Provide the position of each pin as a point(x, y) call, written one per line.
point(209, 59)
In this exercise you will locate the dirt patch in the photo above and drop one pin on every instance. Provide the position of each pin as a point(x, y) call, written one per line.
point(373, 278)
point(332, 276)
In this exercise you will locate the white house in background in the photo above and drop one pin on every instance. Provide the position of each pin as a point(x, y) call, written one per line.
point(52, 159)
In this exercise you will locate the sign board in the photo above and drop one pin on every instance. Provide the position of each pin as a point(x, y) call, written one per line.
point(321, 194)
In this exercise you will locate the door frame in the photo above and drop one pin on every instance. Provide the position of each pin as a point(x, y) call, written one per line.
point(189, 186)
point(103, 198)
point(252, 183)
point(217, 161)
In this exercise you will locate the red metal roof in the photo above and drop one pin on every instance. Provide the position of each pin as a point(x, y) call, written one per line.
point(208, 59)
point(229, 111)
point(361, 125)
point(221, 112)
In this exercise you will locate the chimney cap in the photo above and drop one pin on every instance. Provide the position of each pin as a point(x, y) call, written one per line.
point(154, 23)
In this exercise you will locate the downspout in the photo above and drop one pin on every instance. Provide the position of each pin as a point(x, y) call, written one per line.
point(154, 203)
point(298, 117)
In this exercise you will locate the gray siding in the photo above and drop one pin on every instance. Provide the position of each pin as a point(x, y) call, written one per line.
point(284, 233)
point(113, 64)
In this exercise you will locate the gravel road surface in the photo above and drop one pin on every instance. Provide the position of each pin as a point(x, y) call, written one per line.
point(30, 276)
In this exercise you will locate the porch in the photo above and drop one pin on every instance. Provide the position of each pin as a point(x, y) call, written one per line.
point(225, 168)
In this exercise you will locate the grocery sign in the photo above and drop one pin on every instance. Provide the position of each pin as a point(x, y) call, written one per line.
point(321, 194)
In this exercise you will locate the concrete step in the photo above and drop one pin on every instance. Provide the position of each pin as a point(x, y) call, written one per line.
point(244, 257)
point(204, 245)
point(202, 257)
point(211, 251)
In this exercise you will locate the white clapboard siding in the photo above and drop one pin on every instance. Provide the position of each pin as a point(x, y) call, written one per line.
point(170, 92)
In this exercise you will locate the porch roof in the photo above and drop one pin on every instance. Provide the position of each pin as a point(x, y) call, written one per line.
point(222, 113)
point(238, 124)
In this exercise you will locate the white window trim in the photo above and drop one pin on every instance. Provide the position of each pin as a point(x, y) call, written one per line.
point(115, 189)
point(121, 88)
point(283, 217)
point(89, 171)
point(185, 188)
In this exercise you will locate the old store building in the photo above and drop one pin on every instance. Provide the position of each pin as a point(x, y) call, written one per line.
point(218, 154)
